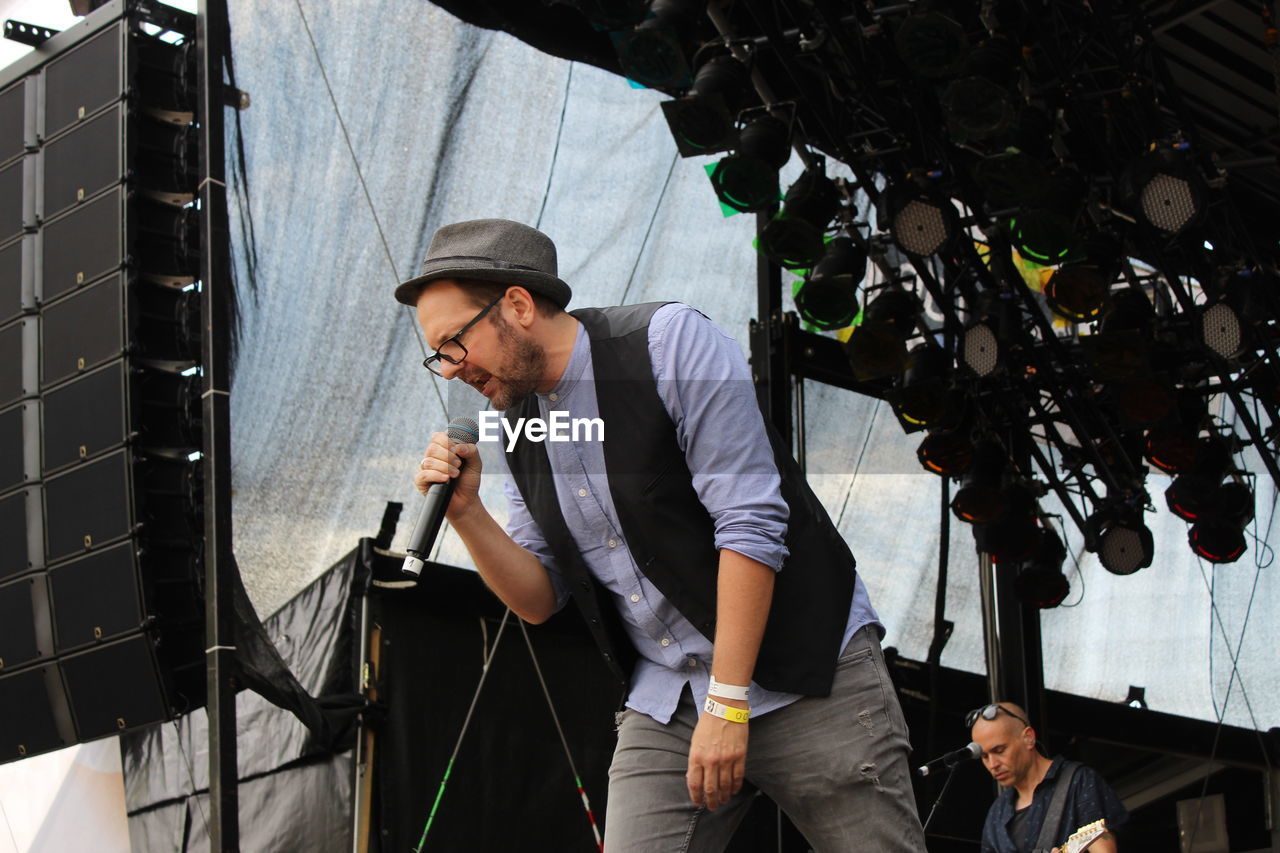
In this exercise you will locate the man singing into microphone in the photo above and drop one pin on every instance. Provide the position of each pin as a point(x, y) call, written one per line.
point(707, 571)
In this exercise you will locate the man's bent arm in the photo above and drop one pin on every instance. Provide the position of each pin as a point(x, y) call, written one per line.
point(514, 575)
point(718, 748)
point(743, 594)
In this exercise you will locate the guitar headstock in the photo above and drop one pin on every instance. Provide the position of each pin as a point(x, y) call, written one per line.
point(1084, 836)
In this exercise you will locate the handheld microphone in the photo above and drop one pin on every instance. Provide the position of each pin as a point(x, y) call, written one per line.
point(461, 431)
point(951, 759)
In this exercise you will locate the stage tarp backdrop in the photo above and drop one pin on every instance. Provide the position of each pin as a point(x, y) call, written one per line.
point(331, 407)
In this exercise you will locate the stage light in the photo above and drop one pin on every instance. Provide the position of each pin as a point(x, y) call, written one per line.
point(921, 398)
point(1169, 192)
point(994, 321)
point(1041, 236)
point(1130, 311)
point(980, 349)
point(931, 44)
point(747, 180)
point(1168, 203)
point(977, 108)
point(653, 54)
point(1044, 232)
point(981, 498)
point(828, 299)
point(1221, 330)
point(920, 222)
point(1172, 449)
point(1123, 543)
point(1224, 321)
point(1078, 290)
point(877, 346)
point(1040, 582)
point(1218, 535)
point(946, 452)
point(1192, 492)
point(1011, 178)
point(1144, 401)
point(793, 238)
point(702, 122)
point(1119, 350)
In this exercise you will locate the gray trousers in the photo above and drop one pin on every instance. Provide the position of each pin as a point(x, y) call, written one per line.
point(837, 766)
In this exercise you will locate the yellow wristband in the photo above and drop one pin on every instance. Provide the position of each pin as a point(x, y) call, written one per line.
point(730, 713)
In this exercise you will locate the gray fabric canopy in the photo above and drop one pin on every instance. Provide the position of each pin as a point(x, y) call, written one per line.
point(331, 407)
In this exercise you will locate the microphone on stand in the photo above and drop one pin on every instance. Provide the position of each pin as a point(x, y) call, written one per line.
point(951, 759)
point(461, 431)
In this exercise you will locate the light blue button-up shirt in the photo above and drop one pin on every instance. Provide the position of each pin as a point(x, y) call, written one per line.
point(706, 388)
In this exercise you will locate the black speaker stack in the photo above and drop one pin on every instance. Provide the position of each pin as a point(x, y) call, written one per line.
point(101, 620)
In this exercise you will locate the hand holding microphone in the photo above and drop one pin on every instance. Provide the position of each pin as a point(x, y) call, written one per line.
point(451, 462)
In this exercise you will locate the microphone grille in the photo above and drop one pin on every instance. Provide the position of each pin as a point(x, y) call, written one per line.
point(463, 431)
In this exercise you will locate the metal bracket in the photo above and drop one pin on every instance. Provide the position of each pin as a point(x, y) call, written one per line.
point(29, 34)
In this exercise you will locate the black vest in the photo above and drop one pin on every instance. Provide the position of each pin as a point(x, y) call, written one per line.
point(671, 534)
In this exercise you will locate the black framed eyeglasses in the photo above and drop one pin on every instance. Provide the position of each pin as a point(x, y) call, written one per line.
point(452, 349)
point(990, 712)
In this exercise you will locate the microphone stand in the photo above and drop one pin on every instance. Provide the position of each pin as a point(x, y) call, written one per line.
point(951, 771)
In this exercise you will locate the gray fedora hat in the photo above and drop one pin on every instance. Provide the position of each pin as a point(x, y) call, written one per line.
point(495, 250)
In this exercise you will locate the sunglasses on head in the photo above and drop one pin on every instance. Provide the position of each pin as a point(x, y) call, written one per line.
point(990, 712)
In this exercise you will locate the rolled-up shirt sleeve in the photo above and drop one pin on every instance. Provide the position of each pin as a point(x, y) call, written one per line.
point(522, 528)
point(706, 386)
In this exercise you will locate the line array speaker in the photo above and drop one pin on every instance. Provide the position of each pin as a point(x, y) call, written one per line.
point(101, 622)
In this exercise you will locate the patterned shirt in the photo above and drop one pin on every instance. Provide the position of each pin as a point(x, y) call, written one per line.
point(1088, 799)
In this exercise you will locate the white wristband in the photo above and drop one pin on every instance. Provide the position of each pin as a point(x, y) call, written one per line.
point(727, 691)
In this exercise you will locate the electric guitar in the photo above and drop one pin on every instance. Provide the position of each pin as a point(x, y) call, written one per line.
point(1085, 836)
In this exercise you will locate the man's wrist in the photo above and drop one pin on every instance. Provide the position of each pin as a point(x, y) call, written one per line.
point(732, 713)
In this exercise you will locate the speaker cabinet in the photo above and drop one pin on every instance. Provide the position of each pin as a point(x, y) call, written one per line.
point(83, 161)
point(11, 200)
point(34, 715)
point(83, 80)
point(101, 620)
point(82, 245)
point(26, 634)
point(11, 449)
point(11, 388)
point(82, 331)
point(14, 559)
point(12, 116)
point(114, 687)
point(88, 506)
point(96, 598)
point(10, 281)
point(84, 417)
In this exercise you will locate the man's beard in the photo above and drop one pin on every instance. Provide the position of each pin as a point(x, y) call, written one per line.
point(524, 366)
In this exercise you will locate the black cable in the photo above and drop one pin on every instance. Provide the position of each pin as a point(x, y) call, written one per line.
point(555, 151)
point(653, 217)
point(951, 772)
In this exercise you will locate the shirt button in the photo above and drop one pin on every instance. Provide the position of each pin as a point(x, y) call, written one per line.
point(553, 397)
point(582, 493)
point(635, 596)
point(666, 641)
point(693, 661)
point(613, 543)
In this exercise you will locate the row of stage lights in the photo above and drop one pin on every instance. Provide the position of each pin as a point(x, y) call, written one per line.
point(1037, 205)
